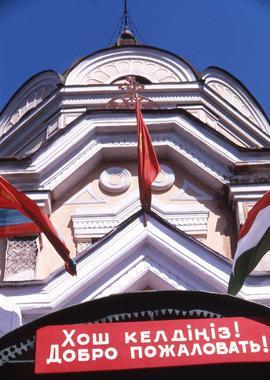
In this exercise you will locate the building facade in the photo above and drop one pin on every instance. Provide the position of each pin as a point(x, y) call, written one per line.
point(69, 142)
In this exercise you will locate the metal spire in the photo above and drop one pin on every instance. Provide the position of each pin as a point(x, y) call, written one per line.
point(125, 30)
point(126, 36)
point(125, 15)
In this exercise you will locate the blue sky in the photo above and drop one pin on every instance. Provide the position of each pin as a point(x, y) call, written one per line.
point(51, 34)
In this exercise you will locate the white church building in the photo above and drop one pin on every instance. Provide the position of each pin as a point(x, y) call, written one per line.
point(69, 142)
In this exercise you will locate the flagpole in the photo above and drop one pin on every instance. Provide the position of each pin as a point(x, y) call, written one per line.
point(148, 165)
point(144, 206)
point(145, 216)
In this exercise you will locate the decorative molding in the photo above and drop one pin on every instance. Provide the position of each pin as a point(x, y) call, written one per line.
point(217, 124)
point(28, 97)
point(52, 127)
point(87, 224)
point(61, 120)
point(231, 97)
point(246, 132)
point(231, 122)
point(184, 97)
point(115, 180)
point(183, 193)
point(98, 98)
point(244, 196)
point(27, 104)
point(164, 180)
point(142, 269)
point(42, 199)
point(205, 117)
point(82, 245)
point(190, 155)
point(85, 196)
point(110, 72)
point(107, 67)
point(191, 223)
point(194, 156)
point(236, 95)
point(248, 192)
point(191, 219)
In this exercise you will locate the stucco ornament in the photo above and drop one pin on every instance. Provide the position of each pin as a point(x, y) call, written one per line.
point(107, 67)
point(164, 180)
point(115, 180)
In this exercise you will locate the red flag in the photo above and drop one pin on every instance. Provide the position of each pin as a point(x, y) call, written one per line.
point(148, 166)
point(10, 198)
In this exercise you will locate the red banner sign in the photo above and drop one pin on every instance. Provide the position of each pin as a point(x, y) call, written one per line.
point(117, 346)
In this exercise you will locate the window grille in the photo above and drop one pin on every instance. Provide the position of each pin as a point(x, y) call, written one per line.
point(82, 245)
point(21, 258)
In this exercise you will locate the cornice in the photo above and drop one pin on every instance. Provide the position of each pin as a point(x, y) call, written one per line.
point(191, 144)
point(38, 122)
point(126, 256)
point(186, 95)
point(190, 155)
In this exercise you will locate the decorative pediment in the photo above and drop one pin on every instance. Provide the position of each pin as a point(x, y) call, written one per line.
point(191, 150)
point(90, 223)
point(108, 66)
point(134, 257)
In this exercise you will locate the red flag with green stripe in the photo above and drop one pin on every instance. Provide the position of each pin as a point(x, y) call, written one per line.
point(253, 243)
